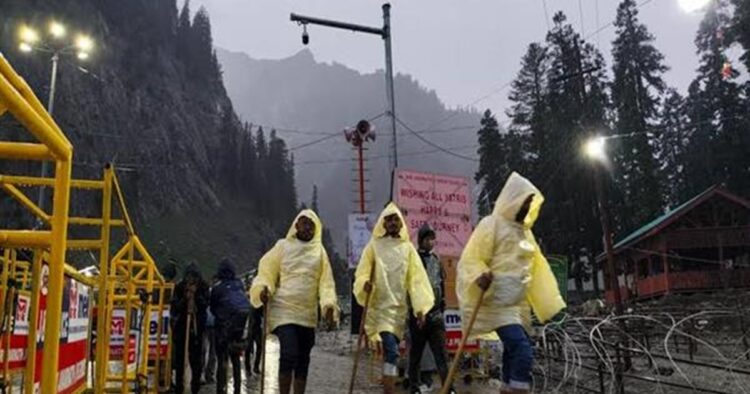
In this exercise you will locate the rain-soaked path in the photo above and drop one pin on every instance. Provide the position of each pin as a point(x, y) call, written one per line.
point(330, 370)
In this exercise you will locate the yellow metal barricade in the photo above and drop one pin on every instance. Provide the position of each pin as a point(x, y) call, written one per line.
point(17, 99)
point(129, 280)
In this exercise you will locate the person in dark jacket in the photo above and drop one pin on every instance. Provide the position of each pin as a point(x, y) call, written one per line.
point(432, 333)
point(189, 303)
point(231, 308)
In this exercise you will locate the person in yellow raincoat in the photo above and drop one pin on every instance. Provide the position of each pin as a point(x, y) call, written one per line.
point(503, 259)
point(294, 278)
point(397, 272)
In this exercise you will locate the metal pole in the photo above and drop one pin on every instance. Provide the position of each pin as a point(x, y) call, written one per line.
point(608, 247)
point(389, 79)
point(50, 108)
point(59, 226)
point(361, 177)
point(103, 325)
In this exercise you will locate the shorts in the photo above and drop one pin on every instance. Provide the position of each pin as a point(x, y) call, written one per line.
point(518, 357)
point(295, 342)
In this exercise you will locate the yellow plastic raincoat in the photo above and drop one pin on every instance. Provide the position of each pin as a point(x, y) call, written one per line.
point(398, 272)
point(523, 280)
point(298, 277)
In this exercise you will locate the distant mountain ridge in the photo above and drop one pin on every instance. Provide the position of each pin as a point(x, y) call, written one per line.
point(303, 99)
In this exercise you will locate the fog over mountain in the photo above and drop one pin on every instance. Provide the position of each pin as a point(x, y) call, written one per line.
point(305, 101)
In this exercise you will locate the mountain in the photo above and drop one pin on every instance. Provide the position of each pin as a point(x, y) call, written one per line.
point(305, 100)
point(151, 100)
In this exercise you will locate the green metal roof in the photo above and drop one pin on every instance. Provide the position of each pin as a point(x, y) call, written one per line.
point(666, 218)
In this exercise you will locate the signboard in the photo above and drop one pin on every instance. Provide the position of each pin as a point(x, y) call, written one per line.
point(360, 230)
point(453, 332)
point(158, 341)
point(559, 266)
point(74, 330)
point(118, 333)
point(444, 202)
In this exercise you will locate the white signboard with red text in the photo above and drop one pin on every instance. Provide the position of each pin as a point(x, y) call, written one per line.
point(442, 201)
point(453, 333)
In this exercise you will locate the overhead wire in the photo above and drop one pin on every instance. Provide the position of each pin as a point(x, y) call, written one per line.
point(434, 145)
point(385, 156)
point(327, 137)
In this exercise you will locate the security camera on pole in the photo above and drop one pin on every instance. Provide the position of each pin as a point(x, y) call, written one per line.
point(385, 34)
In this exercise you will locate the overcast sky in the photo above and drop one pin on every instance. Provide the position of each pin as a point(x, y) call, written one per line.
point(463, 49)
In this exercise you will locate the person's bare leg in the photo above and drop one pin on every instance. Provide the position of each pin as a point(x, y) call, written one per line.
point(285, 383)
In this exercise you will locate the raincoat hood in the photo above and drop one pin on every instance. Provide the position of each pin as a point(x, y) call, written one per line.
point(379, 231)
point(310, 214)
point(226, 270)
point(516, 190)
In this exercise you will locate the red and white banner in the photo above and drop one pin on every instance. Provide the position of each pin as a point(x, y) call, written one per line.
point(453, 333)
point(73, 335)
point(444, 202)
point(157, 340)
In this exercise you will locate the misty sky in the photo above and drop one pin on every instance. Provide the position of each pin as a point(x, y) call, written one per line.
point(463, 49)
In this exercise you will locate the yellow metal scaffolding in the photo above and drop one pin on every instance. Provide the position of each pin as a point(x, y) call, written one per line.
point(17, 99)
point(128, 281)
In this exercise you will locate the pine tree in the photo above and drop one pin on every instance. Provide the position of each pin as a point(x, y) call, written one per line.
point(314, 200)
point(671, 141)
point(489, 171)
point(229, 153)
point(203, 59)
point(527, 138)
point(638, 69)
point(183, 31)
point(281, 190)
point(717, 109)
point(577, 108)
point(248, 162)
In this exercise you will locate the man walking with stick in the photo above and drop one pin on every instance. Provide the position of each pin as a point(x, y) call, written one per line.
point(294, 279)
point(188, 307)
point(390, 270)
point(503, 277)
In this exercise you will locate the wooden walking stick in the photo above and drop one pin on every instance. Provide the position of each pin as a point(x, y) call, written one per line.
point(186, 360)
point(362, 329)
point(263, 346)
point(464, 338)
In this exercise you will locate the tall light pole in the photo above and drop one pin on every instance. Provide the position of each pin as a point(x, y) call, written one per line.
point(595, 149)
point(385, 33)
point(57, 44)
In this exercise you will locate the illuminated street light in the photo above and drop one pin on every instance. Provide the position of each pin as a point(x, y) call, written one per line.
point(53, 43)
point(57, 30)
point(596, 148)
point(693, 5)
point(84, 43)
point(28, 35)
